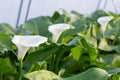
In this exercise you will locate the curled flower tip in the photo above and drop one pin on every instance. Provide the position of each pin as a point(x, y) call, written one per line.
point(57, 29)
point(103, 21)
point(23, 43)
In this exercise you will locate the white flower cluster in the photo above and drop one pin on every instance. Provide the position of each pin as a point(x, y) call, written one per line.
point(23, 43)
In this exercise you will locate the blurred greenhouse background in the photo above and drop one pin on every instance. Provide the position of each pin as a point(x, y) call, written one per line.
point(16, 12)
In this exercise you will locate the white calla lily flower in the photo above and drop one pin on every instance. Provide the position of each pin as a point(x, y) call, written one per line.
point(57, 29)
point(23, 43)
point(103, 21)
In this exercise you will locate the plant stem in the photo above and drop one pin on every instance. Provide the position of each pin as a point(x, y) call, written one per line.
point(103, 35)
point(20, 70)
point(58, 58)
point(57, 61)
point(52, 62)
point(14, 53)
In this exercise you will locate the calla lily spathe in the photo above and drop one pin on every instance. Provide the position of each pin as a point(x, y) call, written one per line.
point(23, 43)
point(103, 21)
point(57, 29)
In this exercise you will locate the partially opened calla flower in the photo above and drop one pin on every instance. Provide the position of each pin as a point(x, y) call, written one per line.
point(103, 21)
point(57, 29)
point(23, 43)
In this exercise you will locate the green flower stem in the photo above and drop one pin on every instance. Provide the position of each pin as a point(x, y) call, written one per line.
point(115, 39)
point(57, 61)
point(20, 69)
point(14, 53)
point(103, 35)
point(52, 62)
point(59, 57)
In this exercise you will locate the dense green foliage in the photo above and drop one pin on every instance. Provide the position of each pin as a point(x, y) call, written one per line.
point(81, 53)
